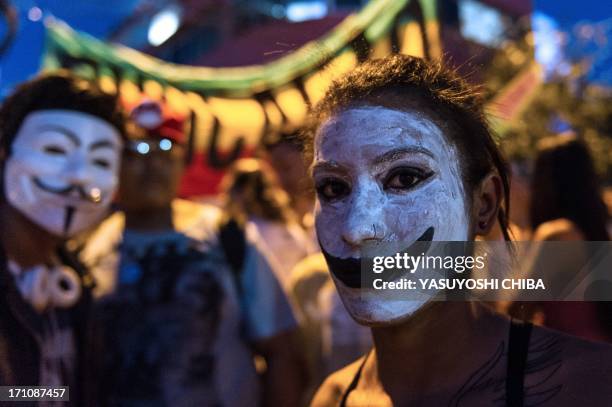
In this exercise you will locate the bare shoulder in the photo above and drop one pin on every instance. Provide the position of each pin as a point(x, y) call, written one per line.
point(333, 388)
point(558, 229)
point(569, 369)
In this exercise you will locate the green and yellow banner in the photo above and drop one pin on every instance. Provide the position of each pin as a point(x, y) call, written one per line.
point(231, 111)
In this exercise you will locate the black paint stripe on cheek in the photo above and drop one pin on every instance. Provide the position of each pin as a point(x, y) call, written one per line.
point(349, 270)
point(427, 236)
point(346, 270)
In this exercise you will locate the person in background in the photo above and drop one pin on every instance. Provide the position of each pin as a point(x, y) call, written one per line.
point(253, 198)
point(566, 200)
point(182, 326)
point(567, 205)
point(60, 149)
point(285, 156)
point(330, 338)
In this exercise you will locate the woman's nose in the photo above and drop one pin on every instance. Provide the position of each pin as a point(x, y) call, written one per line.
point(359, 235)
point(364, 221)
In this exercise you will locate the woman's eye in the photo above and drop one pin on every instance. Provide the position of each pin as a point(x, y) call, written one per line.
point(331, 190)
point(55, 150)
point(405, 178)
point(102, 163)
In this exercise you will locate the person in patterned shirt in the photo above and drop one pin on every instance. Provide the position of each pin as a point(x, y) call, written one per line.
point(181, 326)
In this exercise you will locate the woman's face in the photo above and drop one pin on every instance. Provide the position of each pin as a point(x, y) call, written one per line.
point(384, 175)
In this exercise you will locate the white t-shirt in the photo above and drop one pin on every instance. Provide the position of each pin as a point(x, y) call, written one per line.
point(285, 244)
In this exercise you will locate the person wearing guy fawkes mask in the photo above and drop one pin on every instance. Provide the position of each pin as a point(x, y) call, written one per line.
point(60, 146)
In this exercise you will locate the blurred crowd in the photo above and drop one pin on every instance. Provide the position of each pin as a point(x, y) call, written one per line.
point(133, 296)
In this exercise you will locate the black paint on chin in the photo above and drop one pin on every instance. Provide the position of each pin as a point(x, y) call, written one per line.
point(349, 270)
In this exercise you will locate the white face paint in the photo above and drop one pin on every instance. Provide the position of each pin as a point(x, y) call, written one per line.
point(62, 172)
point(384, 175)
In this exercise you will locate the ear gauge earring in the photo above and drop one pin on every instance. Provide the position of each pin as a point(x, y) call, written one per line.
point(65, 287)
point(43, 287)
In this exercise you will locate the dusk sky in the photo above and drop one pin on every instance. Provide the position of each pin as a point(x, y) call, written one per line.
point(98, 17)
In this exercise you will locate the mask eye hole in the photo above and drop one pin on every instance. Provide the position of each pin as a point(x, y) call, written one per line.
point(102, 163)
point(55, 150)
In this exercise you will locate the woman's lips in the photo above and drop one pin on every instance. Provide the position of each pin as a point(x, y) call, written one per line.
point(349, 270)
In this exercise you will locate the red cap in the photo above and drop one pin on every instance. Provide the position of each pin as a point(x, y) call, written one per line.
point(158, 121)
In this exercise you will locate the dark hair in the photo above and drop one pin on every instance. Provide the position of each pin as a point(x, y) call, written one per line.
point(565, 185)
point(58, 90)
point(262, 196)
point(404, 82)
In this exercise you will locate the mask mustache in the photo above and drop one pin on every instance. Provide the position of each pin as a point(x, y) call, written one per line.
point(92, 195)
point(349, 270)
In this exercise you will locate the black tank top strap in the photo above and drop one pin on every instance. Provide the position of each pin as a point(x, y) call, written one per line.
point(518, 348)
point(354, 382)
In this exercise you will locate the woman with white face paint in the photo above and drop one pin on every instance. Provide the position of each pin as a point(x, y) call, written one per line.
point(400, 152)
point(60, 144)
